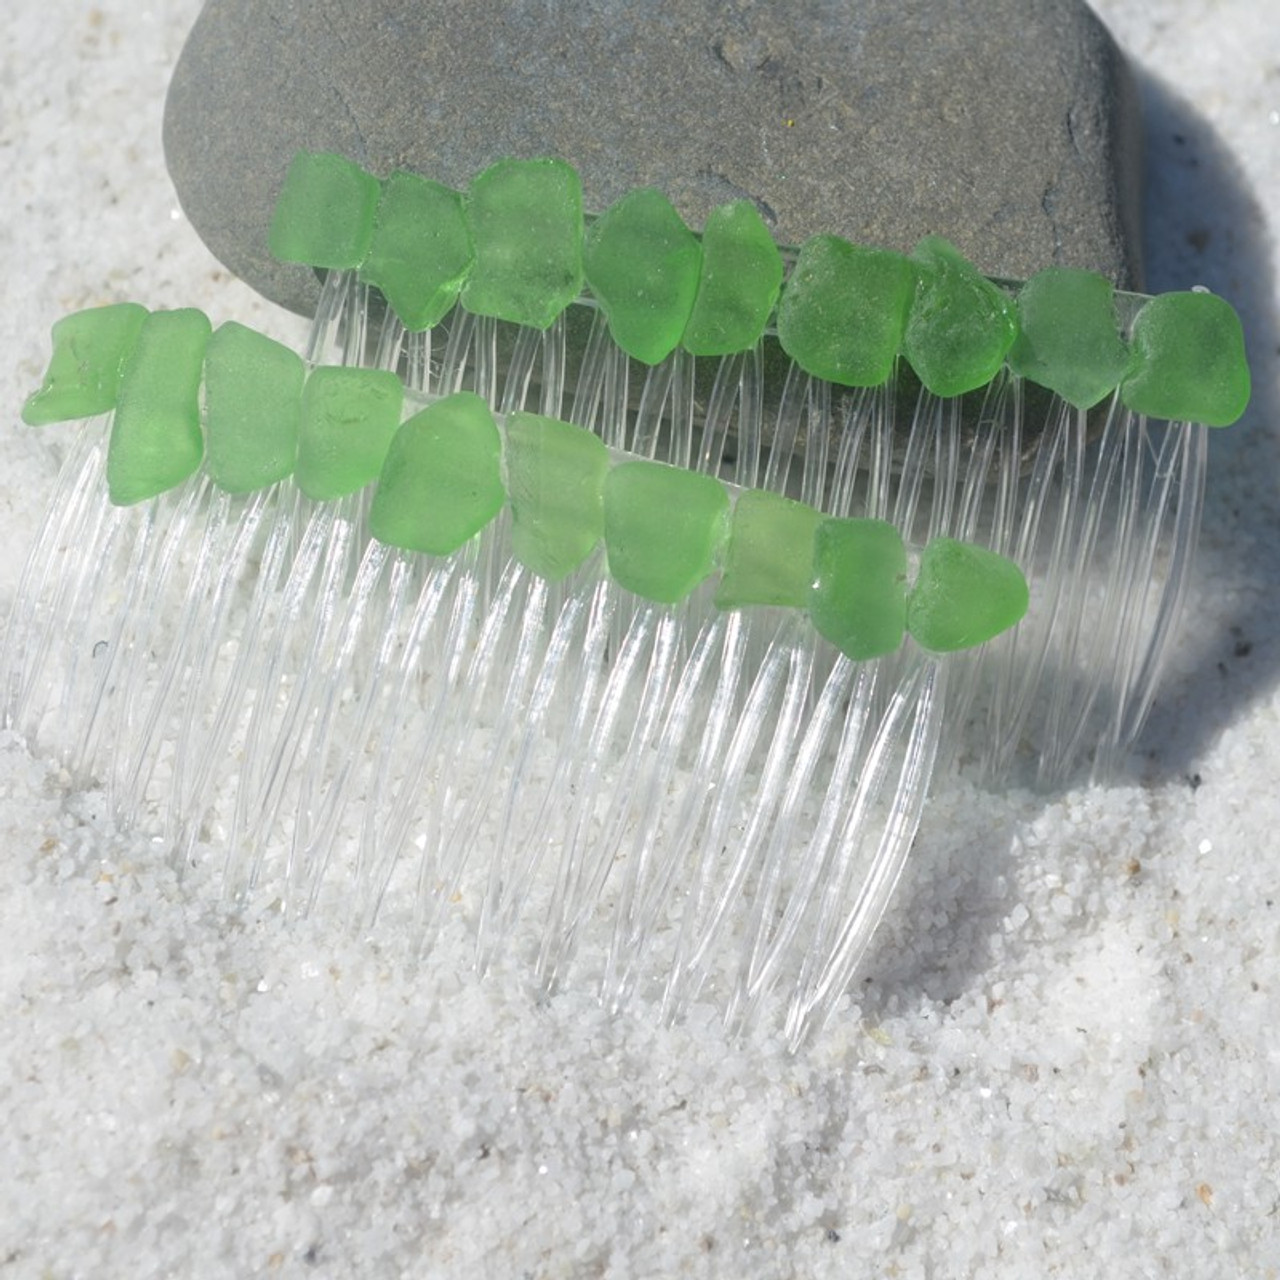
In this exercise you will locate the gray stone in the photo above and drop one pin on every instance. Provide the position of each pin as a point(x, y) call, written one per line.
point(1008, 126)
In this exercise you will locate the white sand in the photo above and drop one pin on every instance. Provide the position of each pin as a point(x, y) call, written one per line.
point(1063, 1061)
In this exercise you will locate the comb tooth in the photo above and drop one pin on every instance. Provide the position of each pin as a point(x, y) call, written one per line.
point(795, 859)
point(245, 660)
point(622, 712)
point(344, 706)
point(133, 696)
point(54, 615)
point(523, 685)
point(414, 711)
point(747, 785)
point(485, 696)
point(273, 678)
point(894, 779)
point(535, 815)
point(198, 726)
point(828, 764)
point(1172, 530)
point(656, 857)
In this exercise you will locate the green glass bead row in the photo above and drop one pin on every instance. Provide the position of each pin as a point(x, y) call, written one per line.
point(447, 470)
point(516, 246)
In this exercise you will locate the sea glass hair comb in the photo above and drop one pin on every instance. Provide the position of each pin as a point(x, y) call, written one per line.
point(625, 626)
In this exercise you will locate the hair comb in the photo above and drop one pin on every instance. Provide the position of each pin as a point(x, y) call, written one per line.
point(613, 591)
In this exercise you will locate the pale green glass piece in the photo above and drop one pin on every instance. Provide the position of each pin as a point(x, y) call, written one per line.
point(769, 559)
point(1069, 339)
point(961, 325)
point(859, 596)
point(738, 289)
point(642, 263)
point(555, 484)
point(963, 596)
point(349, 416)
point(441, 482)
point(663, 528)
point(324, 214)
point(252, 407)
point(156, 442)
point(526, 225)
point(1189, 362)
point(89, 352)
point(421, 253)
point(844, 311)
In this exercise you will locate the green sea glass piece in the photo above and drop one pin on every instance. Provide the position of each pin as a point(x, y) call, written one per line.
point(961, 325)
point(526, 224)
point(252, 407)
point(324, 214)
point(421, 251)
point(555, 484)
point(769, 559)
point(963, 596)
point(441, 481)
point(642, 263)
point(1069, 340)
point(844, 311)
point(663, 528)
point(739, 285)
point(349, 416)
point(156, 442)
point(1189, 361)
point(859, 595)
point(89, 351)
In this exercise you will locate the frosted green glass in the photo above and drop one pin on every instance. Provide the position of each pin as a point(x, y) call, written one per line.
point(349, 416)
point(555, 484)
point(844, 310)
point(440, 484)
point(960, 326)
point(420, 253)
point(89, 352)
point(769, 559)
point(1189, 362)
point(642, 264)
point(156, 441)
point(324, 214)
point(963, 596)
point(859, 596)
point(663, 528)
point(252, 407)
point(739, 285)
point(526, 224)
point(1069, 340)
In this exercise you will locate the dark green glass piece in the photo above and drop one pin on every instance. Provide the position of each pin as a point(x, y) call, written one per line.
point(739, 285)
point(252, 407)
point(349, 416)
point(324, 214)
point(89, 352)
point(441, 482)
point(555, 484)
point(156, 441)
point(1069, 339)
point(642, 263)
point(1189, 362)
point(420, 253)
point(526, 225)
point(663, 528)
point(844, 311)
point(961, 325)
point(963, 596)
point(859, 596)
